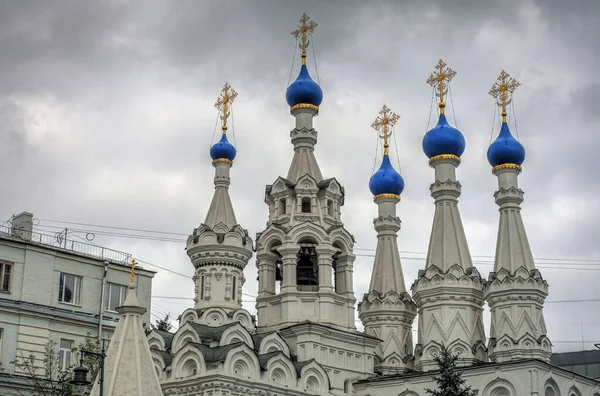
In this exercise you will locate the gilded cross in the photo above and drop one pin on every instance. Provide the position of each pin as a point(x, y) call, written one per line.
point(502, 90)
point(305, 28)
point(383, 124)
point(133, 263)
point(439, 79)
point(224, 102)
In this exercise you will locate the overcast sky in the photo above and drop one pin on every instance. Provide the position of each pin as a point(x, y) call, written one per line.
point(106, 118)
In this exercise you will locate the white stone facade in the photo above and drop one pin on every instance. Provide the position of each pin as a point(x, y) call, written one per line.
point(304, 341)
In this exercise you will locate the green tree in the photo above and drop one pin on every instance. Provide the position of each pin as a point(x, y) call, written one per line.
point(91, 362)
point(47, 380)
point(163, 324)
point(449, 380)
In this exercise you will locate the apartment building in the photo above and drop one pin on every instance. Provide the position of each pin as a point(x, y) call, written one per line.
point(60, 290)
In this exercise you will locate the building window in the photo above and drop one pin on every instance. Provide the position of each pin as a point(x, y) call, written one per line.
point(69, 289)
point(282, 203)
point(330, 207)
point(5, 276)
point(202, 287)
point(64, 354)
point(306, 205)
point(114, 296)
point(1, 338)
point(233, 287)
point(307, 269)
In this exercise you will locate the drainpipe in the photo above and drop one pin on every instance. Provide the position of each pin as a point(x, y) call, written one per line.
point(102, 302)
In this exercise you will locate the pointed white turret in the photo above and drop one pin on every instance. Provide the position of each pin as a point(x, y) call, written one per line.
point(515, 290)
point(128, 367)
point(449, 291)
point(220, 248)
point(387, 311)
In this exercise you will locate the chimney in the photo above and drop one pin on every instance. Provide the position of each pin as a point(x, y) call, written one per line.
point(22, 226)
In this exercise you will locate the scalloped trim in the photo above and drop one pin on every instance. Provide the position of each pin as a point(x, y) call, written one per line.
point(507, 166)
point(305, 106)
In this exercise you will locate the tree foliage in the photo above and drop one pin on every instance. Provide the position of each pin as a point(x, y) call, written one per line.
point(47, 380)
point(89, 361)
point(163, 324)
point(449, 380)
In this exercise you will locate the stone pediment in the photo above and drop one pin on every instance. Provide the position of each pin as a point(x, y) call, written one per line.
point(390, 300)
point(275, 234)
point(447, 183)
point(390, 296)
point(454, 274)
point(280, 185)
point(332, 186)
point(307, 183)
point(220, 234)
point(509, 191)
point(521, 278)
point(297, 132)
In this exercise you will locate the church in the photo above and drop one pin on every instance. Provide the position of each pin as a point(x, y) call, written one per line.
point(303, 340)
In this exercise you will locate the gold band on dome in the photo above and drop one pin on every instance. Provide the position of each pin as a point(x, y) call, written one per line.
point(305, 106)
point(444, 156)
point(222, 160)
point(507, 166)
point(386, 196)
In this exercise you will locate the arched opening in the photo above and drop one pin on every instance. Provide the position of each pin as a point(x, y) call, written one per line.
point(551, 388)
point(337, 276)
point(189, 368)
point(233, 287)
point(334, 273)
point(282, 204)
point(307, 268)
point(330, 207)
point(278, 272)
point(306, 205)
point(347, 386)
point(202, 287)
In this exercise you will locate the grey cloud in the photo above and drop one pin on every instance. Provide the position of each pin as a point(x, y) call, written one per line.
point(128, 93)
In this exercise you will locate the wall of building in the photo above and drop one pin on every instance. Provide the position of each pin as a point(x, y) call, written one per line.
point(31, 313)
point(528, 377)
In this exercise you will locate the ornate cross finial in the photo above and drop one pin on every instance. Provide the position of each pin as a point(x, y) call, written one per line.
point(133, 263)
point(224, 102)
point(305, 28)
point(439, 79)
point(383, 124)
point(502, 90)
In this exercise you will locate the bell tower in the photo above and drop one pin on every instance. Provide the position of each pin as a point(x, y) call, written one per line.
point(304, 256)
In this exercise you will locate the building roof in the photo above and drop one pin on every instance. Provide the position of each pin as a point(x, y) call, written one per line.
point(572, 358)
point(74, 248)
point(129, 368)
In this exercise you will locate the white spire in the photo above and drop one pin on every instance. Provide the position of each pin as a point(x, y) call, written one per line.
point(387, 310)
point(304, 138)
point(220, 248)
point(221, 208)
point(128, 368)
point(449, 292)
point(516, 290)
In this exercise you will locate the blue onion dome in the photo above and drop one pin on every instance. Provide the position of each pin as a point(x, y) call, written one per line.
point(304, 90)
point(443, 139)
point(223, 149)
point(506, 149)
point(386, 180)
